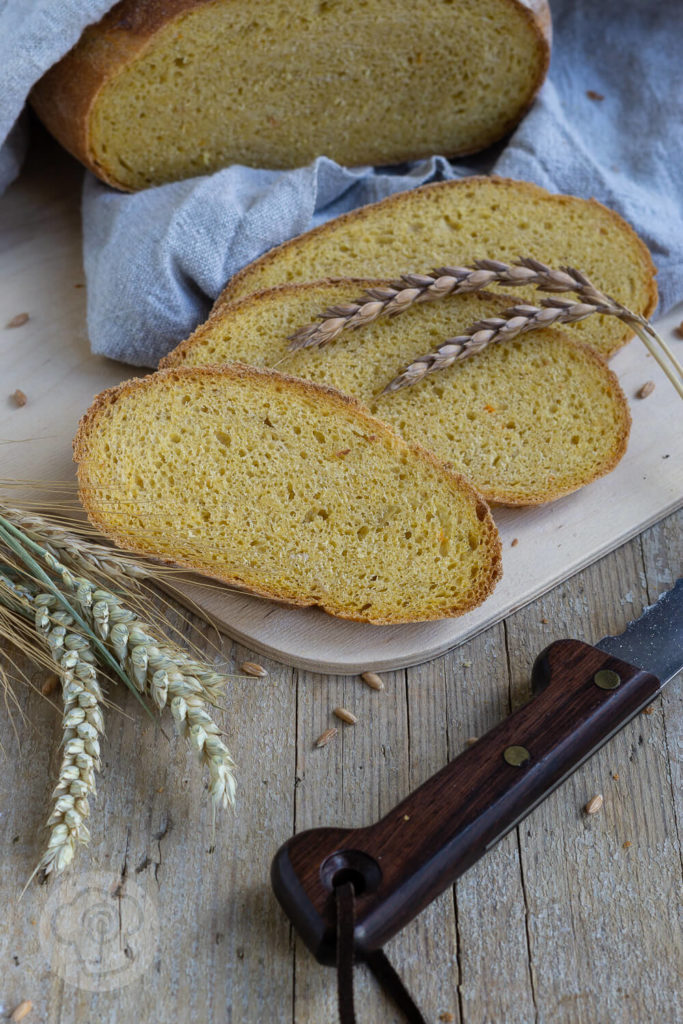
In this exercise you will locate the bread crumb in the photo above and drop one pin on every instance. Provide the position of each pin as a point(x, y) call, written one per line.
point(593, 95)
point(18, 321)
point(679, 330)
point(647, 711)
point(471, 740)
point(615, 776)
point(626, 845)
point(647, 389)
point(514, 543)
point(446, 1017)
point(19, 398)
point(544, 621)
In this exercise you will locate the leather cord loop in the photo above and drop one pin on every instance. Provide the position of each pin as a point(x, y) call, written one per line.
point(346, 905)
point(377, 961)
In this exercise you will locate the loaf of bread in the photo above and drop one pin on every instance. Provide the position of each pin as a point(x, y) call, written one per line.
point(287, 488)
point(527, 420)
point(166, 89)
point(456, 222)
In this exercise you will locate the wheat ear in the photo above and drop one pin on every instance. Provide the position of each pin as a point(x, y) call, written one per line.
point(397, 297)
point(82, 721)
point(513, 321)
point(77, 552)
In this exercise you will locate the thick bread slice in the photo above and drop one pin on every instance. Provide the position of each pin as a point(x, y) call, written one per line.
point(167, 89)
point(456, 222)
point(287, 488)
point(527, 420)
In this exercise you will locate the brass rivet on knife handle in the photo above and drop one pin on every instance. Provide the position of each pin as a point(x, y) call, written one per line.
point(606, 679)
point(516, 756)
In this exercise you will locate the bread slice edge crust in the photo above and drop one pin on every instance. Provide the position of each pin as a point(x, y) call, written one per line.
point(240, 370)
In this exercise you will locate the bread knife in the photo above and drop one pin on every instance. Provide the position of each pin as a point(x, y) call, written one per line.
point(582, 696)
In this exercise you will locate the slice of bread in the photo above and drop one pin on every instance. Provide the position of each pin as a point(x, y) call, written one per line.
point(456, 222)
point(287, 488)
point(170, 89)
point(526, 420)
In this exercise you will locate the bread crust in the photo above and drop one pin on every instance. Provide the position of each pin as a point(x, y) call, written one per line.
point(65, 95)
point(641, 251)
point(81, 453)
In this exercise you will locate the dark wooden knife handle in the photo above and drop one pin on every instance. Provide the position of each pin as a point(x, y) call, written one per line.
point(582, 696)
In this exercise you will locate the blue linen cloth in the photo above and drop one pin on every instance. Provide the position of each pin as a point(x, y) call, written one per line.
point(157, 259)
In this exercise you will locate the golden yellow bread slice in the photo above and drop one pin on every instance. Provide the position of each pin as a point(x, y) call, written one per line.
point(287, 488)
point(456, 222)
point(527, 420)
point(167, 89)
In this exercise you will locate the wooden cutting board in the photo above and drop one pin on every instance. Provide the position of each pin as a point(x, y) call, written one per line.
point(48, 358)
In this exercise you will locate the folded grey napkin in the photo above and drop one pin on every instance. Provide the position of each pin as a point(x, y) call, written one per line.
point(608, 123)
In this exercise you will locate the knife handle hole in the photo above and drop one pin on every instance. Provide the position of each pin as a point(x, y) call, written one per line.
point(351, 866)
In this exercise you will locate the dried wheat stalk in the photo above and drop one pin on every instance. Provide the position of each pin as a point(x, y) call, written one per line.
point(76, 551)
point(401, 295)
point(82, 721)
point(84, 627)
point(514, 321)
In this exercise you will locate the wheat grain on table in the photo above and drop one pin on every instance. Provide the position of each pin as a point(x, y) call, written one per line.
point(571, 919)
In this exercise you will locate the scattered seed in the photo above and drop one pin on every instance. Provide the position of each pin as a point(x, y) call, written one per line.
point(626, 845)
point(374, 681)
point(50, 685)
point(615, 776)
point(646, 389)
point(325, 737)
point(406, 817)
point(252, 668)
point(345, 715)
point(471, 740)
point(594, 804)
point(18, 321)
point(593, 95)
point(647, 711)
point(679, 330)
point(19, 398)
point(544, 621)
point(467, 664)
point(22, 1010)
point(446, 1017)
point(514, 543)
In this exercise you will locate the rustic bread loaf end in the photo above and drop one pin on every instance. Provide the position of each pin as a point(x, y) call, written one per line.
point(170, 89)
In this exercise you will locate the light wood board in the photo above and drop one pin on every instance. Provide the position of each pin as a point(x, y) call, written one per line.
point(49, 359)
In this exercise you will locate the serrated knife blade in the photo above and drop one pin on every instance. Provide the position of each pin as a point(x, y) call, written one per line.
point(653, 641)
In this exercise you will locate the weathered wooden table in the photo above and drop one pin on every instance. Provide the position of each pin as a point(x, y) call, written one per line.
point(571, 919)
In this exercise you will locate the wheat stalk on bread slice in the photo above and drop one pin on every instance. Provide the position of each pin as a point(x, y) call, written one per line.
point(395, 298)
